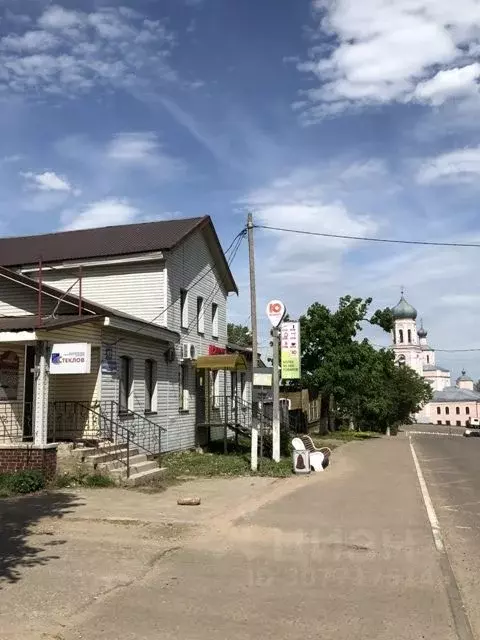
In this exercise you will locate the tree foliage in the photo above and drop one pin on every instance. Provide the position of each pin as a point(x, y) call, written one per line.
point(239, 334)
point(358, 382)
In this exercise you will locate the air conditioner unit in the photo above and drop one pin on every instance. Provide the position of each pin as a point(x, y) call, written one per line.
point(189, 351)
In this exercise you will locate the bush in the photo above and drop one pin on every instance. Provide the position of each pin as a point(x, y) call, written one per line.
point(27, 481)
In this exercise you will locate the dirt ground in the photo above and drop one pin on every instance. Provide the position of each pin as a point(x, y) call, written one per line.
point(346, 553)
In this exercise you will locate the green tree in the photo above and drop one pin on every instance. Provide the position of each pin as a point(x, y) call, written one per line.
point(358, 382)
point(239, 334)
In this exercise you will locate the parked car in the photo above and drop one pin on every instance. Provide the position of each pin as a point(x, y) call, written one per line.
point(472, 432)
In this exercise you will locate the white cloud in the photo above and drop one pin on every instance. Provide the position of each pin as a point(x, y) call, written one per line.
point(47, 181)
point(382, 51)
point(449, 83)
point(30, 41)
point(56, 17)
point(133, 147)
point(299, 201)
point(110, 47)
point(103, 213)
point(461, 165)
point(143, 149)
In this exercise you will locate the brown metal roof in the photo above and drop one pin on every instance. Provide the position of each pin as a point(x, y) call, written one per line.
point(97, 243)
point(30, 323)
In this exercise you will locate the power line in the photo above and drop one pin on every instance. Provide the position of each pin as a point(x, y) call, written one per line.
point(368, 239)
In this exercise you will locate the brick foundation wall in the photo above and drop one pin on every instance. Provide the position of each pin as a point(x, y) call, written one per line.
point(20, 458)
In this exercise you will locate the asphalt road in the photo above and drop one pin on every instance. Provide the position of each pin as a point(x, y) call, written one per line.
point(435, 429)
point(451, 467)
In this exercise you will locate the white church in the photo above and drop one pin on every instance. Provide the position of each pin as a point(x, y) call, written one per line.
point(451, 405)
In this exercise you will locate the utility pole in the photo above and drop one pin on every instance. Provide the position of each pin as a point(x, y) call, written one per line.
point(276, 397)
point(253, 318)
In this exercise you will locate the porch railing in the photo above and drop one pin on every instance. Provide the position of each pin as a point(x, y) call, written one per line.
point(15, 422)
point(147, 434)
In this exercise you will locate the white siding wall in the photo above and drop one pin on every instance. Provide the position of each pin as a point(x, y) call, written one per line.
point(79, 388)
point(180, 434)
point(89, 332)
point(136, 288)
point(17, 300)
point(192, 263)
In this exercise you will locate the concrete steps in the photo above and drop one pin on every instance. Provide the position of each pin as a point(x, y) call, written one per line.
point(111, 460)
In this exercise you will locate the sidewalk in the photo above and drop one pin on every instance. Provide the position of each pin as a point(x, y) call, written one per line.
point(349, 554)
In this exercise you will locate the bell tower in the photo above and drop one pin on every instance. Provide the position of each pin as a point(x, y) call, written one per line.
point(406, 344)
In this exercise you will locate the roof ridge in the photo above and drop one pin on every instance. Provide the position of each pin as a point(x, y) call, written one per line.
point(104, 227)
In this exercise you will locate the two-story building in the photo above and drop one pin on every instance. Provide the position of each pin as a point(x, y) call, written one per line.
point(101, 331)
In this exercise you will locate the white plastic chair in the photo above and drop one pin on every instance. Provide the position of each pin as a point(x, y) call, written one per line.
point(316, 457)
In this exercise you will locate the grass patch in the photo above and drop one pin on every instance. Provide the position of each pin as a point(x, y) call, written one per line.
point(91, 480)
point(344, 436)
point(215, 463)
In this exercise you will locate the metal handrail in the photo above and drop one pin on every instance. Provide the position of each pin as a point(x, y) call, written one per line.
point(148, 437)
point(126, 435)
point(140, 416)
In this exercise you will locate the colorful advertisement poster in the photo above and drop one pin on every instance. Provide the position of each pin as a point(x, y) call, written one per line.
point(290, 350)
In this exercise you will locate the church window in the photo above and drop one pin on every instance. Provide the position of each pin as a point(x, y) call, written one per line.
point(447, 410)
point(447, 423)
point(467, 410)
point(439, 411)
point(400, 335)
point(409, 336)
point(457, 410)
point(428, 359)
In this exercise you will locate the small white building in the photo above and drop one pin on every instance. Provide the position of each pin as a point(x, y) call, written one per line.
point(451, 405)
point(138, 306)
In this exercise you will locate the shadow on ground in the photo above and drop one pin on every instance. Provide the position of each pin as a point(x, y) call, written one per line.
point(18, 516)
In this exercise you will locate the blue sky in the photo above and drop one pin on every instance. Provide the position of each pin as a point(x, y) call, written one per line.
point(338, 116)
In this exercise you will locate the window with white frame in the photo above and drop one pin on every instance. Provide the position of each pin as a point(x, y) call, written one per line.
point(200, 315)
point(184, 393)
point(214, 320)
point(184, 308)
point(150, 386)
point(243, 385)
point(126, 384)
point(215, 385)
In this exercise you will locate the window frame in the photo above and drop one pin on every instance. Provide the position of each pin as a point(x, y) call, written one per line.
point(457, 411)
point(243, 385)
point(400, 336)
point(215, 322)
point(201, 315)
point(126, 385)
point(467, 411)
point(447, 411)
point(439, 411)
point(184, 308)
point(151, 390)
point(183, 390)
point(409, 335)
